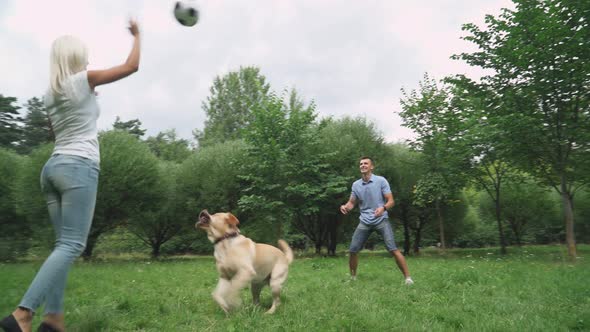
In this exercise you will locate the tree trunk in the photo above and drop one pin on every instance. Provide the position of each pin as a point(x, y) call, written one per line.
point(417, 239)
point(422, 219)
point(514, 225)
point(90, 244)
point(333, 222)
point(321, 227)
point(568, 211)
point(501, 236)
point(518, 240)
point(405, 222)
point(318, 247)
point(156, 250)
point(441, 225)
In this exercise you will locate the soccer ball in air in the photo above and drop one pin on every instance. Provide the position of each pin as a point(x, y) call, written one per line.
point(186, 13)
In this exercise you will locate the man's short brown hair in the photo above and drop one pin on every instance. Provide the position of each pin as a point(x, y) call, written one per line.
point(367, 157)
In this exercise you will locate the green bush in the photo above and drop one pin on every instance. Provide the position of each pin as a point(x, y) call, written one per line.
point(15, 232)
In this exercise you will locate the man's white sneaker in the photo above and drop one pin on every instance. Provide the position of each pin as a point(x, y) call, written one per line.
point(409, 281)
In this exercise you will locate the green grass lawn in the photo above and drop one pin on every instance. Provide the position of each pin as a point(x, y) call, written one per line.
point(531, 289)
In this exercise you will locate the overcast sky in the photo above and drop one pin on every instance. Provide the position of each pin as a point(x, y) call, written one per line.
point(350, 57)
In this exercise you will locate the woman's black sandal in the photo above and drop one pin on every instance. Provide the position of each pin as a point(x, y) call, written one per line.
point(9, 324)
point(44, 327)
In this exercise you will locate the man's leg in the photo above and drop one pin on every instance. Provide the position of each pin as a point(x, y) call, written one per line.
point(353, 262)
point(400, 260)
point(360, 236)
point(387, 232)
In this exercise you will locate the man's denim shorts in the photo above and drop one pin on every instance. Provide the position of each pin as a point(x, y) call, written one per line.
point(362, 232)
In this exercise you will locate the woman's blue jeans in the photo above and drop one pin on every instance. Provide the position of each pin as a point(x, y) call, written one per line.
point(70, 184)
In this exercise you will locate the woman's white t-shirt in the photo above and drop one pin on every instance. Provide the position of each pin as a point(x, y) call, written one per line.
point(73, 117)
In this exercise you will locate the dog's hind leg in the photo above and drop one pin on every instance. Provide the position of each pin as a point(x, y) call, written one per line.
point(256, 288)
point(278, 277)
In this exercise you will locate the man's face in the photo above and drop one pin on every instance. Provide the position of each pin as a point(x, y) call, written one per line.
point(366, 166)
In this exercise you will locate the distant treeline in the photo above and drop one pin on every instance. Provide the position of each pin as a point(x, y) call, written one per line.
point(504, 160)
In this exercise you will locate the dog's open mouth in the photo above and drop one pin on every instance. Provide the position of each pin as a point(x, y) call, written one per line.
point(204, 219)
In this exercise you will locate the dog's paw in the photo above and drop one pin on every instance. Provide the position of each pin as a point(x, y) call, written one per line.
point(234, 302)
point(222, 303)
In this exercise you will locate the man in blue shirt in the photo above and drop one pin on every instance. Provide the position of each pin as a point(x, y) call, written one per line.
point(374, 196)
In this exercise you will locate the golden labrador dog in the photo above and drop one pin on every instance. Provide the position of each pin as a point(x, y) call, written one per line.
point(240, 261)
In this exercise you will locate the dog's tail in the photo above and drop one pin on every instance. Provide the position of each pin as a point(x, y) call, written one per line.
point(286, 250)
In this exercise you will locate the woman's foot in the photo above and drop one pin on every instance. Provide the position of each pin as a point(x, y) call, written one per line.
point(55, 321)
point(45, 327)
point(9, 324)
point(20, 320)
point(24, 317)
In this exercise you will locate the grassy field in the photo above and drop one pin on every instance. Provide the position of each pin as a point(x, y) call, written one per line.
point(531, 289)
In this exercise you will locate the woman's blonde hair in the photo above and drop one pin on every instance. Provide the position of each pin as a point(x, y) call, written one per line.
point(69, 55)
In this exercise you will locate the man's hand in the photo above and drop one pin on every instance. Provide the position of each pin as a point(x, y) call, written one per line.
point(344, 209)
point(379, 211)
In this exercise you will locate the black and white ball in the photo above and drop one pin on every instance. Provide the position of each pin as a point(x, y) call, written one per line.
point(186, 13)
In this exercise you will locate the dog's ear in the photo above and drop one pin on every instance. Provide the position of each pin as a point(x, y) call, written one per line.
point(232, 220)
point(204, 216)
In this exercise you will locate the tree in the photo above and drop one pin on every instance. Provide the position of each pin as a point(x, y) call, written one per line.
point(582, 204)
point(524, 202)
point(133, 127)
point(127, 182)
point(314, 186)
point(491, 176)
point(167, 146)
point(37, 129)
point(273, 137)
point(407, 168)
point(14, 230)
point(486, 144)
point(208, 179)
point(230, 105)
point(349, 139)
point(341, 143)
point(30, 200)
point(10, 130)
point(158, 223)
point(439, 126)
point(542, 98)
point(432, 191)
point(289, 173)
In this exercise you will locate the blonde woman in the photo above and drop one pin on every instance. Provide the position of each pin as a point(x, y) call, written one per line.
point(69, 179)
